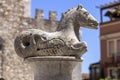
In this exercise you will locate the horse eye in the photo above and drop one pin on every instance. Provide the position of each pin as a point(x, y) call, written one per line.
point(86, 13)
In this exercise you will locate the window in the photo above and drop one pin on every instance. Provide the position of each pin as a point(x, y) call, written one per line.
point(118, 47)
point(111, 73)
point(114, 73)
point(111, 47)
point(93, 73)
point(98, 70)
point(118, 73)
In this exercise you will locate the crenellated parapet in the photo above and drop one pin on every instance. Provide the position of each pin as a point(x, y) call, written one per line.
point(45, 24)
point(39, 15)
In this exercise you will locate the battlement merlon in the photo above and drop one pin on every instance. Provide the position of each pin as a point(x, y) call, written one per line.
point(39, 15)
point(52, 16)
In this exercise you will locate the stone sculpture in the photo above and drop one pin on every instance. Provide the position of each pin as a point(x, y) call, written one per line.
point(56, 55)
point(64, 42)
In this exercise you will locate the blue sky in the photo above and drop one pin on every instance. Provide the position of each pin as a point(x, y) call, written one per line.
point(88, 35)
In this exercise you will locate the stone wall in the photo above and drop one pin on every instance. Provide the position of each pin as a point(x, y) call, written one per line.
point(13, 21)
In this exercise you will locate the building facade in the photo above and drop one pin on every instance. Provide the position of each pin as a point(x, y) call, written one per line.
point(110, 49)
point(109, 65)
point(94, 71)
point(15, 17)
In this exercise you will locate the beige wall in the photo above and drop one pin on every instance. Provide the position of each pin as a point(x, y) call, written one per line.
point(13, 21)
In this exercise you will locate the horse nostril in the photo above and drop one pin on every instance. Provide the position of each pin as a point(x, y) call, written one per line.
point(95, 23)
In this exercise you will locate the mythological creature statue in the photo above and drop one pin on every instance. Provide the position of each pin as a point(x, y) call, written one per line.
point(64, 42)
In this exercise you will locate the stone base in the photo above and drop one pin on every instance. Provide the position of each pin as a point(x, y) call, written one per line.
point(55, 68)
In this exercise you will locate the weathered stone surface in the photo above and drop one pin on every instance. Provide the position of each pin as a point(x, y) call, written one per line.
point(63, 42)
point(55, 68)
point(49, 53)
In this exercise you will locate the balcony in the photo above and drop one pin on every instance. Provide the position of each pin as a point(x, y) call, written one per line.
point(112, 11)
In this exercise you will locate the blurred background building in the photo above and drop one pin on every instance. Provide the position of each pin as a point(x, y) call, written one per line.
point(109, 65)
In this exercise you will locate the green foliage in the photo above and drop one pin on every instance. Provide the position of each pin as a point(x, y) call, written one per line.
point(108, 78)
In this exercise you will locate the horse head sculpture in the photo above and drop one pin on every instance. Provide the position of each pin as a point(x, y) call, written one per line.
point(79, 17)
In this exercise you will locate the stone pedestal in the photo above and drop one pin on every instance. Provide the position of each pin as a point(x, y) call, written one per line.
point(55, 68)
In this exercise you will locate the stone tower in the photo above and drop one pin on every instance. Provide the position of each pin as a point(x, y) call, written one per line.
point(16, 6)
point(15, 17)
point(27, 5)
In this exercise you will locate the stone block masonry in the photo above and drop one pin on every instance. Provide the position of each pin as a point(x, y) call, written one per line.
point(14, 18)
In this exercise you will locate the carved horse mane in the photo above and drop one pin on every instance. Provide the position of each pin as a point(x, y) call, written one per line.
point(77, 16)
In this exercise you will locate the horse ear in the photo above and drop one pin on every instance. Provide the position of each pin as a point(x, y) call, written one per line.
point(79, 7)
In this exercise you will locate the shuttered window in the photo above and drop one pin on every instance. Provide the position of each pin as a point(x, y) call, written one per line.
point(111, 47)
point(118, 47)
